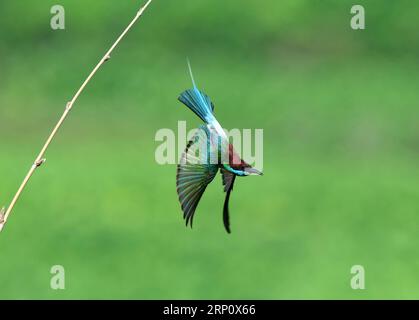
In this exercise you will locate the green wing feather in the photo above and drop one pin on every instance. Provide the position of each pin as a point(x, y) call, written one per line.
point(194, 173)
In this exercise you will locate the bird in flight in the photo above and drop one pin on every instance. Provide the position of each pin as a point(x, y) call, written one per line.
point(207, 152)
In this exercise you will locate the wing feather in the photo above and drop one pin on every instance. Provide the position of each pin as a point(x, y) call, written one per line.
point(194, 173)
point(228, 182)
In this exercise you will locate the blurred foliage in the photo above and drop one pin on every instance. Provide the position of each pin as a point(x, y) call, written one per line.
point(339, 109)
point(320, 26)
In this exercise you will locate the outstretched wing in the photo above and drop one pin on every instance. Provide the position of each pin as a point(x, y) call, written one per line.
point(228, 182)
point(194, 173)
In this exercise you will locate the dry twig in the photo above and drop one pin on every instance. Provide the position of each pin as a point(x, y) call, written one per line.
point(5, 213)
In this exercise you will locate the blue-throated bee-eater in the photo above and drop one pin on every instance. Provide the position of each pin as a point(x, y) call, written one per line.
point(207, 152)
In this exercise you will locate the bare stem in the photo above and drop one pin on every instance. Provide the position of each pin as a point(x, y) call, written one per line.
point(4, 214)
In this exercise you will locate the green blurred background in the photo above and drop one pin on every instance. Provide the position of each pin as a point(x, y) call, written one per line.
point(339, 109)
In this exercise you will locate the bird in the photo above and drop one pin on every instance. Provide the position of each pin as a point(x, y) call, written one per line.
point(208, 152)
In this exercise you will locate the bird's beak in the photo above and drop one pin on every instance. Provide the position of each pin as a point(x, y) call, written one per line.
point(253, 171)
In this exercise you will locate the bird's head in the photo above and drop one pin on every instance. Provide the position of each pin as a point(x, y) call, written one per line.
point(239, 164)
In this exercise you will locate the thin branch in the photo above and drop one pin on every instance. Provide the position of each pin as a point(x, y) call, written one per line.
point(4, 214)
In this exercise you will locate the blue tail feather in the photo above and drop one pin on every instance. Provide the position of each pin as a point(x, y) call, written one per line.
point(199, 103)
